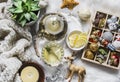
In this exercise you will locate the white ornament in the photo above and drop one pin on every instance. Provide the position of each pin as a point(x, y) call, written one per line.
point(116, 43)
point(84, 14)
point(107, 36)
point(112, 23)
point(114, 18)
point(109, 21)
point(112, 26)
point(119, 30)
point(43, 3)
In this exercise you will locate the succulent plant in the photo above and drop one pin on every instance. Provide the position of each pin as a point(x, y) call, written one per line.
point(24, 11)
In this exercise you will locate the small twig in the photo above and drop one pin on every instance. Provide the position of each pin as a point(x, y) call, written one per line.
point(49, 50)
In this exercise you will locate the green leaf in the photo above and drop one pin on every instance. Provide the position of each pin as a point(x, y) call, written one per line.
point(23, 10)
point(18, 10)
point(34, 3)
point(18, 4)
point(23, 22)
point(33, 16)
point(28, 2)
point(24, 1)
point(15, 0)
point(27, 16)
point(35, 8)
point(36, 0)
point(21, 17)
point(14, 16)
point(12, 10)
point(28, 7)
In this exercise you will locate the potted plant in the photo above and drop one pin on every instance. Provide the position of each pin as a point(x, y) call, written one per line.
point(25, 11)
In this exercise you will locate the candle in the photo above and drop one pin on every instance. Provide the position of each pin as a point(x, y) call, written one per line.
point(29, 74)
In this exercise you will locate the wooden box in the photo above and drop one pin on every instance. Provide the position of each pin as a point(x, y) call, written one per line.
point(100, 48)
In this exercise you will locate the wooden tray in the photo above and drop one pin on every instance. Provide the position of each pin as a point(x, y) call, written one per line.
point(103, 29)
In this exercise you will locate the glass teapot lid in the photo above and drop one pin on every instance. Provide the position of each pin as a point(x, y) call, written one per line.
point(53, 24)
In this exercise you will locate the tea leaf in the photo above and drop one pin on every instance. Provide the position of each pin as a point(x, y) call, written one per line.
point(48, 49)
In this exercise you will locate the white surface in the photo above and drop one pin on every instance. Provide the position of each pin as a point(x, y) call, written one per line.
point(95, 73)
